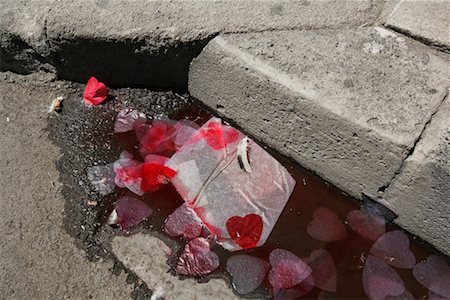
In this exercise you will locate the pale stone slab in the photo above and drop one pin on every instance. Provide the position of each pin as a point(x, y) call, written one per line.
point(347, 104)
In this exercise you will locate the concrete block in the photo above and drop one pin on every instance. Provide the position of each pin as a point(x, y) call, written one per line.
point(150, 43)
point(428, 20)
point(347, 104)
point(422, 189)
point(146, 255)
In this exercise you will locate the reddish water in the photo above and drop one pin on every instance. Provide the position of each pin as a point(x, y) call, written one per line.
point(289, 233)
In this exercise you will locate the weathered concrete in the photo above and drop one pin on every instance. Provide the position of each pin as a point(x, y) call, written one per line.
point(148, 43)
point(427, 20)
point(146, 255)
point(347, 104)
point(39, 260)
point(422, 189)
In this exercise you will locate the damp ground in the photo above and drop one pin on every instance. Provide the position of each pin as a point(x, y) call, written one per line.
point(86, 138)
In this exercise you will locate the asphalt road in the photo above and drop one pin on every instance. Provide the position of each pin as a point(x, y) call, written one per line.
point(39, 260)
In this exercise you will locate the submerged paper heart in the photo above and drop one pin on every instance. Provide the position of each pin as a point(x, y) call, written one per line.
point(323, 269)
point(434, 274)
point(326, 226)
point(247, 272)
point(367, 223)
point(95, 92)
point(393, 248)
point(287, 270)
point(197, 258)
point(380, 280)
point(245, 231)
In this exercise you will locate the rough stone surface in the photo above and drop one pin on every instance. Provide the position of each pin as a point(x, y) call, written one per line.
point(422, 189)
point(426, 20)
point(146, 255)
point(147, 43)
point(348, 104)
point(38, 258)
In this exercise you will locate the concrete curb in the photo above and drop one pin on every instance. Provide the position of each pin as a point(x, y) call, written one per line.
point(348, 104)
point(147, 43)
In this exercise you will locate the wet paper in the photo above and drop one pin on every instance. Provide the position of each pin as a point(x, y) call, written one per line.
point(238, 207)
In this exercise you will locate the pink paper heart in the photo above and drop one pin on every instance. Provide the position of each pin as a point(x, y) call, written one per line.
point(366, 224)
point(287, 270)
point(128, 212)
point(197, 258)
point(434, 274)
point(393, 248)
point(183, 222)
point(326, 226)
point(247, 272)
point(380, 280)
point(323, 269)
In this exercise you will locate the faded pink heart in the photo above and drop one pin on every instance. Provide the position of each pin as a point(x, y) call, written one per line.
point(380, 280)
point(434, 274)
point(393, 248)
point(366, 224)
point(247, 272)
point(323, 269)
point(326, 226)
point(287, 270)
point(183, 222)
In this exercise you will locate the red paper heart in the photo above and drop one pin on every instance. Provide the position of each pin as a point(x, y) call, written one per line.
point(245, 231)
point(95, 92)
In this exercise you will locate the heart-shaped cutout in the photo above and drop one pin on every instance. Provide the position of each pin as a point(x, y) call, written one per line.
point(245, 231)
point(287, 270)
point(247, 272)
point(366, 223)
point(326, 226)
point(434, 274)
point(393, 248)
point(183, 222)
point(323, 269)
point(197, 258)
point(380, 280)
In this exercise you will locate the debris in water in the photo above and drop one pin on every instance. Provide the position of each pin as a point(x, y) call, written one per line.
point(95, 92)
point(129, 212)
point(197, 258)
point(102, 178)
point(434, 274)
point(287, 270)
point(247, 272)
point(183, 222)
point(127, 119)
point(393, 248)
point(229, 200)
point(380, 280)
point(326, 226)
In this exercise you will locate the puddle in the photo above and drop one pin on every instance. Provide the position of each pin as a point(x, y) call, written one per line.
point(86, 138)
point(290, 232)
